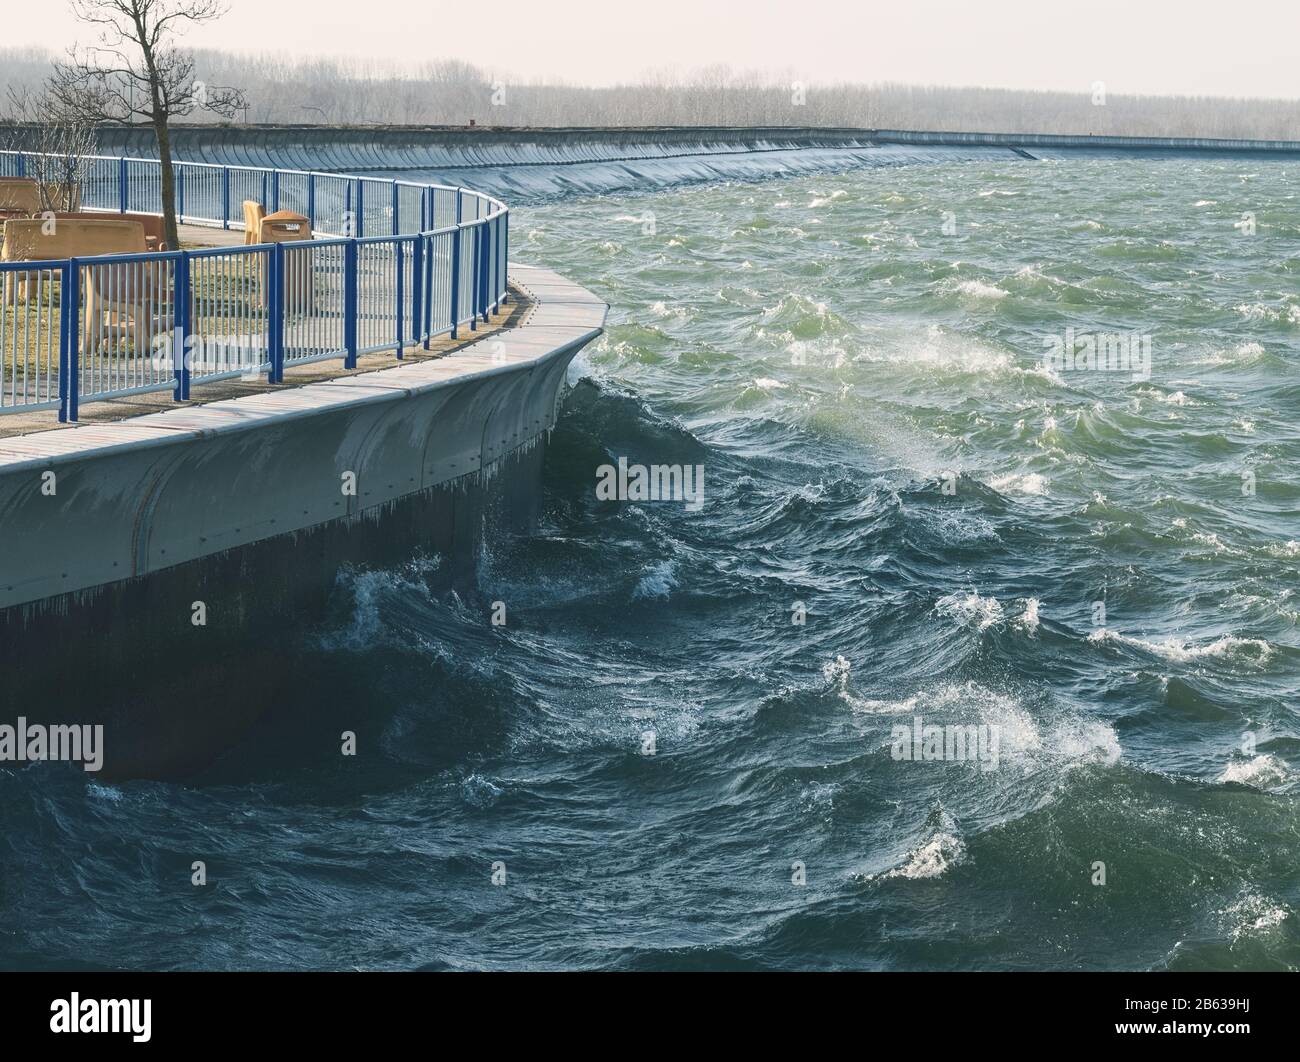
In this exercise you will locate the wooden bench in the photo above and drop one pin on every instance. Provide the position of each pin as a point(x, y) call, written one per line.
point(154, 229)
point(24, 194)
point(254, 212)
point(37, 240)
point(21, 194)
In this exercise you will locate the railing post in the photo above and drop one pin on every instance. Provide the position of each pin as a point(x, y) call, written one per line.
point(275, 189)
point(361, 209)
point(399, 257)
point(69, 342)
point(276, 373)
point(264, 196)
point(181, 328)
point(473, 278)
point(455, 280)
point(350, 304)
point(505, 256)
point(397, 206)
point(428, 290)
point(495, 291)
point(21, 165)
point(311, 200)
point(180, 189)
point(417, 292)
point(123, 184)
point(485, 256)
point(225, 197)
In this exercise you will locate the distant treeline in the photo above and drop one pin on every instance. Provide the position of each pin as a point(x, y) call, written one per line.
point(327, 91)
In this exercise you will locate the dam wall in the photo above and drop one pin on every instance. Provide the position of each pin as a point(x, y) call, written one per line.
point(530, 165)
point(442, 148)
point(120, 537)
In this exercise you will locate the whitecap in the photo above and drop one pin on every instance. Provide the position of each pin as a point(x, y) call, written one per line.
point(930, 859)
point(1253, 913)
point(1029, 618)
point(1030, 483)
point(1260, 771)
point(1254, 650)
point(658, 581)
point(977, 289)
point(970, 610)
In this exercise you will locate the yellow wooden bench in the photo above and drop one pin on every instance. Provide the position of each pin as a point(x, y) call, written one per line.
point(154, 230)
point(24, 194)
point(254, 212)
point(37, 240)
point(21, 194)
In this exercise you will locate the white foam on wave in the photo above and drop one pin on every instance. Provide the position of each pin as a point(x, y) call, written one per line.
point(1253, 913)
point(978, 289)
point(1211, 539)
point(942, 351)
point(819, 798)
point(931, 858)
point(1242, 352)
point(661, 309)
point(959, 527)
point(1229, 646)
point(766, 383)
point(970, 610)
point(1260, 771)
point(1021, 738)
point(480, 792)
point(1028, 619)
point(1259, 311)
point(1030, 483)
point(657, 582)
point(364, 628)
point(827, 200)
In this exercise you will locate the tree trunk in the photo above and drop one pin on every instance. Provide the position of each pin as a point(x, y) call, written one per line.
point(170, 231)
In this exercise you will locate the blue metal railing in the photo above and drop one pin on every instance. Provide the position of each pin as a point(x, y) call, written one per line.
point(401, 263)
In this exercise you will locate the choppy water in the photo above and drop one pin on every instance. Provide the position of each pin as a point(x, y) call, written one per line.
point(835, 361)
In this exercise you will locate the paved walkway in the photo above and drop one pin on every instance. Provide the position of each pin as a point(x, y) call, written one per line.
point(193, 236)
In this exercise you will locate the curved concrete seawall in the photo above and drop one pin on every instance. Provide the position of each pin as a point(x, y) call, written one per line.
point(115, 534)
point(536, 164)
point(439, 147)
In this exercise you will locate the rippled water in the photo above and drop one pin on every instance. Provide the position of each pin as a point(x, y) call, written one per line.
point(1103, 569)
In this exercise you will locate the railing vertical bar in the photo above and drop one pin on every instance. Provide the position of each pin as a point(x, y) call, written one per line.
point(181, 303)
point(350, 304)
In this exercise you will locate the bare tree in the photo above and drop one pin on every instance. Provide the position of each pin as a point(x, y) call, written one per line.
point(56, 145)
point(135, 75)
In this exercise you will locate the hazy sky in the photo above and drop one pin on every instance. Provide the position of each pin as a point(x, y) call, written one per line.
point(1237, 48)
